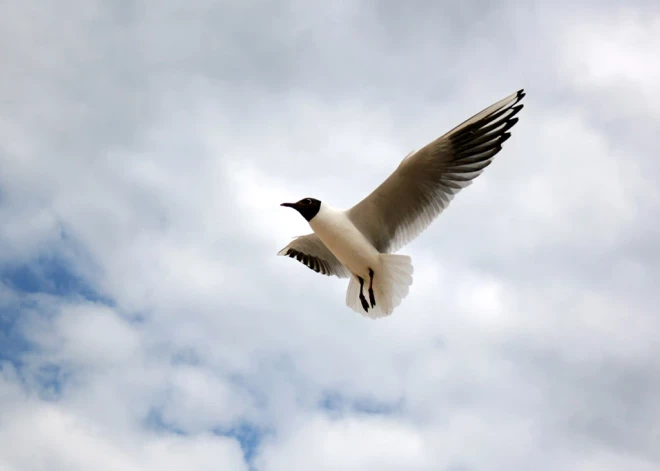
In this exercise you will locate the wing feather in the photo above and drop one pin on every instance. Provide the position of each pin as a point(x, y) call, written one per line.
point(426, 181)
point(312, 252)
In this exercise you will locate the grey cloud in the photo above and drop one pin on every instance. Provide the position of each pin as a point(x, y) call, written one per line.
point(598, 403)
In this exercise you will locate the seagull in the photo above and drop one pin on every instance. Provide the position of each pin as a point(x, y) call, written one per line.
point(359, 243)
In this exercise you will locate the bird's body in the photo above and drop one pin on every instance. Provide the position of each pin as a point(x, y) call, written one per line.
point(358, 243)
point(345, 241)
point(385, 277)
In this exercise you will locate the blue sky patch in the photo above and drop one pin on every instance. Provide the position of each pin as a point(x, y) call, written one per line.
point(49, 275)
point(337, 404)
point(248, 435)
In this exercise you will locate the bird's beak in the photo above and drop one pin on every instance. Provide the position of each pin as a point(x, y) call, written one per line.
point(289, 205)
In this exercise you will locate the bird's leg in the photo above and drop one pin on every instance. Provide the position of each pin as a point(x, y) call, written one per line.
point(372, 298)
point(363, 300)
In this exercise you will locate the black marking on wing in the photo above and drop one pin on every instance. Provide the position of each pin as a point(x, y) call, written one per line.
point(316, 264)
point(475, 145)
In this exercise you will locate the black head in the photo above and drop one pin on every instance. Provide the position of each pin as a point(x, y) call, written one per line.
point(308, 207)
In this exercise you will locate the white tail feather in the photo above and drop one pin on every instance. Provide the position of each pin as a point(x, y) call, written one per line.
point(392, 280)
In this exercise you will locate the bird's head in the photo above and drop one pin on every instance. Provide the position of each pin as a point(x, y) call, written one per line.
point(307, 207)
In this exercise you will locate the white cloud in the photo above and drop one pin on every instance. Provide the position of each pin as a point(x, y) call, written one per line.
point(46, 436)
point(351, 444)
point(149, 149)
point(617, 53)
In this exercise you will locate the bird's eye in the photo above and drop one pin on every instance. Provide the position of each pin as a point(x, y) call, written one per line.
point(307, 201)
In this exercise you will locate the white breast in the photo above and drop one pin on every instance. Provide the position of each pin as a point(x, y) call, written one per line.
point(344, 240)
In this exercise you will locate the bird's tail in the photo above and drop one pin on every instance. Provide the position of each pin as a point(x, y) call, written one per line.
point(392, 280)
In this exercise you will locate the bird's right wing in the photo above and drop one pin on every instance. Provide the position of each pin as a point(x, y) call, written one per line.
point(312, 252)
point(425, 182)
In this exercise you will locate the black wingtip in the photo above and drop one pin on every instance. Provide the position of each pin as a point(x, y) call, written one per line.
point(515, 110)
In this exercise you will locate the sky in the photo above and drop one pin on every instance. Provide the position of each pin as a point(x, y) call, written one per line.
point(147, 324)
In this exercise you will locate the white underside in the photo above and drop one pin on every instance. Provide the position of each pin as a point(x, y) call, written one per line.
point(345, 241)
point(391, 285)
point(392, 273)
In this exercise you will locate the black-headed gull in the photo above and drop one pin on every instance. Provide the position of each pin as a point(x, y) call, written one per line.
point(358, 243)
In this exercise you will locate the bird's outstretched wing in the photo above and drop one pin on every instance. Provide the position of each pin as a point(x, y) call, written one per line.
point(426, 181)
point(311, 251)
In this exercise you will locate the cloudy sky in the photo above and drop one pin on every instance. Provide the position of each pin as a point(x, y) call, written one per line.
point(146, 323)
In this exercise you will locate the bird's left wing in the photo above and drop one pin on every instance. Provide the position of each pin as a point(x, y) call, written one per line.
point(426, 181)
point(311, 251)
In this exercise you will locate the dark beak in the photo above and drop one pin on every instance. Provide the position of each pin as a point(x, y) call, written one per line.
point(289, 205)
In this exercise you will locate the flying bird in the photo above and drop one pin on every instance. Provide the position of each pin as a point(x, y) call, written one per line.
point(359, 243)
